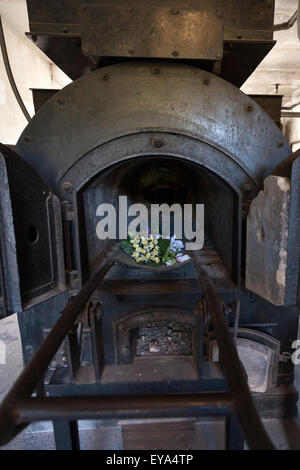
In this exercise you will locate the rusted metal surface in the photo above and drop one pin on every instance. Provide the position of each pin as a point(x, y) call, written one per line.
point(116, 111)
point(32, 230)
point(248, 32)
point(119, 29)
point(272, 269)
point(267, 240)
point(10, 298)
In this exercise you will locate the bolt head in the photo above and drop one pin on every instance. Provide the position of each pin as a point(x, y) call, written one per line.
point(131, 52)
point(174, 11)
point(247, 189)
point(248, 107)
point(175, 53)
point(68, 187)
point(157, 142)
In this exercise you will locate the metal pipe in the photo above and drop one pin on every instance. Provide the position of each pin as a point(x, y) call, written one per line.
point(10, 74)
point(254, 431)
point(34, 371)
point(290, 114)
point(287, 24)
point(123, 407)
point(285, 167)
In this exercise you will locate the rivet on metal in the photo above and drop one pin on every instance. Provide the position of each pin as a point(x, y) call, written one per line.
point(174, 11)
point(279, 143)
point(175, 53)
point(28, 138)
point(156, 142)
point(218, 55)
point(66, 30)
point(206, 81)
point(219, 13)
point(131, 52)
point(105, 77)
point(68, 187)
point(248, 107)
point(156, 71)
point(247, 188)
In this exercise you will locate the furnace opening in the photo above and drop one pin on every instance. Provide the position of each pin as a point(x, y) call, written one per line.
point(157, 180)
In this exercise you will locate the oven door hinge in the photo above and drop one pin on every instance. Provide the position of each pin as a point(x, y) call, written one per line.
point(68, 219)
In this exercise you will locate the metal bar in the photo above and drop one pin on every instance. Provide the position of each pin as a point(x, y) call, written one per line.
point(234, 439)
point(66, 435)
point(285, 167)
point(122, 407)
point(30, 377)
point(287, 24)
point(254, 431)
point(290, 114)
point(236, 307)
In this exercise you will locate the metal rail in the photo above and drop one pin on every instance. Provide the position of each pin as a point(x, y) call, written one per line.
point(254, 431)
point(18, 408)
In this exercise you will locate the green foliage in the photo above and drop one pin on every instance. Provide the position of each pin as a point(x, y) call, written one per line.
point(127, 246)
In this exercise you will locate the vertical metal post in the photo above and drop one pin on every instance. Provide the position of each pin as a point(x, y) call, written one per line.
point(66, 435)
point(200, 335)
point(234, 438)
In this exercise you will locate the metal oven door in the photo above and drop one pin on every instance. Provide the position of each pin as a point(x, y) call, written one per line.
point(273, 236)
point(31, 246)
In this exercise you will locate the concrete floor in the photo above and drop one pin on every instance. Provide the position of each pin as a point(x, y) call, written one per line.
point(110, 436)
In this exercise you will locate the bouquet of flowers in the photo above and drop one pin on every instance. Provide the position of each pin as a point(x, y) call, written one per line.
point(154, 250)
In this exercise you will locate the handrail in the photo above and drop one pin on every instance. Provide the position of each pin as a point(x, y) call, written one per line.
point(18, 409)
point(255, 434)
point(124, 407)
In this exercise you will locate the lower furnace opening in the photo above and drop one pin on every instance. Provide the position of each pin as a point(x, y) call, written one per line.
point(163, 339)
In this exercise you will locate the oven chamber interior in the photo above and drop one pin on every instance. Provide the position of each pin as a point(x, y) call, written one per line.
point(162, 179)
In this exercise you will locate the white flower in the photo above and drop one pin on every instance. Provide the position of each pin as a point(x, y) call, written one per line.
point(169, 263)
point(182, 258)
point(176, 245)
